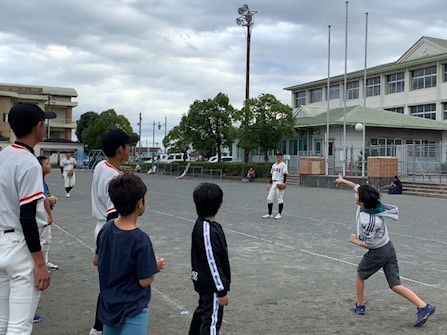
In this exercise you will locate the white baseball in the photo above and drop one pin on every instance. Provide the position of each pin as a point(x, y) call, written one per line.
point(359, 126)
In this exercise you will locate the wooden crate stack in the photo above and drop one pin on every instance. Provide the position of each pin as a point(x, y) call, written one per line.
point(312, 165)
point(382, 166)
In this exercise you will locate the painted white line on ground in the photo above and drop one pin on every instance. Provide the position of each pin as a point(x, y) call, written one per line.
point(301, 250)
point(74, 237)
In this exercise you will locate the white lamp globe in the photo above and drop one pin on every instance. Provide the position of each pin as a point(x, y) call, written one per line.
point(359, 126)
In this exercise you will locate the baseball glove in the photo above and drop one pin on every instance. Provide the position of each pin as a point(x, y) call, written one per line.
point(52, 199)
point(70, 173)
point(281, 186)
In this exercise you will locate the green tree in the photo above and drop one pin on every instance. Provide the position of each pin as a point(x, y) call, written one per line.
point(270, 122)
point(208, 124)
point(176, 140)
point(92, 135)
point(84, 122)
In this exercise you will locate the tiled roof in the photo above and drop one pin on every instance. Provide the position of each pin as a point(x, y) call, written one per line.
point(374, 117)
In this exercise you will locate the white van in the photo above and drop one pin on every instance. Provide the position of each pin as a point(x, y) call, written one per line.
point(213, 159)
point(176, 157)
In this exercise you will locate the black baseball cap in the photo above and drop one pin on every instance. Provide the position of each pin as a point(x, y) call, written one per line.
point(115, 138)
point(278, 154)
point(24, 116)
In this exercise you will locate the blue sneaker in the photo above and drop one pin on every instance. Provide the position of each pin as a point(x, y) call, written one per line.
point(359, 309)
point(37, 318)
point(423, 314)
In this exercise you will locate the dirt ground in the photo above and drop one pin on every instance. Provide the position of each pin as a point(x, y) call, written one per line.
point(289, 276)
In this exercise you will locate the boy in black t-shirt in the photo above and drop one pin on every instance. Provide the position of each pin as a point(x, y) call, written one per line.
point(209, 259)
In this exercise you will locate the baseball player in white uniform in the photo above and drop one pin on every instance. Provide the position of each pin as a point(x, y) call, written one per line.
point(278, 175)
point(23, 272)
point(68, 164)
point(115, 145)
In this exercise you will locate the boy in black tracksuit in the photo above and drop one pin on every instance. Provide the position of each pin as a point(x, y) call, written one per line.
point(209, 259)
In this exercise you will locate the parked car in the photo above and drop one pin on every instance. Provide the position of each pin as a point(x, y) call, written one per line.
point(175, 157)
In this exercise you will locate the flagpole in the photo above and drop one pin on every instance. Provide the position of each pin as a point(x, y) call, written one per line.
point(364, 95)
point(328, 97)
point(343, 156)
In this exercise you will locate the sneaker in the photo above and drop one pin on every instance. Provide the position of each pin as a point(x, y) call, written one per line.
point(52, 266)
point(267, 216)
point(37, 318)
point(359, 309)
point(423, 314)
point(67, 195)
point(93, 331)
point(278, 216)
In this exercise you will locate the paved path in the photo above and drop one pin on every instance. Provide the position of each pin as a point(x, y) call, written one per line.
point(290, 276)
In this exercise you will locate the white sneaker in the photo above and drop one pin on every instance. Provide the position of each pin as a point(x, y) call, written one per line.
point(93, 331)
point(67, 195)
point(278, 216)
point(52, 266)
point(267, 216)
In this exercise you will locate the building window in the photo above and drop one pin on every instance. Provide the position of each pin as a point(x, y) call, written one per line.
point(444, 109)
point(5, 117)
point(399, 110)
point(352, 90)
point(316, 95)
point(395, 82)
point(334, 92)
point(372, 86)
point(427, 111)
point(300, 98)
point(423, 78)
point(445, 72)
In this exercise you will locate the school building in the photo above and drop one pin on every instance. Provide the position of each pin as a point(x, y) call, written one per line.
point(406, 108)
point(59, 130)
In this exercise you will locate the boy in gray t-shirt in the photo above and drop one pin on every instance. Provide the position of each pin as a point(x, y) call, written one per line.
point(372, 234)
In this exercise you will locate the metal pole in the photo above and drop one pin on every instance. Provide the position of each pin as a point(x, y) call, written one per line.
point(345, 94)
point(139, 141)
point(328, 97)
point(364, 96)
point(153, 141)
point(166, 127)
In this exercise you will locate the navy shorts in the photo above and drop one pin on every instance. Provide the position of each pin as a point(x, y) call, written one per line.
point(381, 258)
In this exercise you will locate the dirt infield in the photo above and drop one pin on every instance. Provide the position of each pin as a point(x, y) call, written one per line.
point(290, 276)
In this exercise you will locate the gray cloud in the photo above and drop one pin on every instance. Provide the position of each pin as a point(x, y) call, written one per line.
point(158, 56)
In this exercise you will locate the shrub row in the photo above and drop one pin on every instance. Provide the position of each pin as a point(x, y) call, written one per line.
point(232, 169)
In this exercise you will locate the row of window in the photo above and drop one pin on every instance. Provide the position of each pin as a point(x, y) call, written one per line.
point(420, 79)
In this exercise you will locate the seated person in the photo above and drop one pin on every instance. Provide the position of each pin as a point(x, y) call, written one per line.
point(137, 168)
point(251, 175)
point(395, 187)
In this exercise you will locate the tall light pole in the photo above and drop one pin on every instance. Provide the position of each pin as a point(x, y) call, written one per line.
point(139, 141)
point(246, 20)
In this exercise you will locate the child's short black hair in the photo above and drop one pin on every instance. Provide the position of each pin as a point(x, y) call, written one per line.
point(369, 196)
point(208, 198)
point(125, 191)
point(41, 159)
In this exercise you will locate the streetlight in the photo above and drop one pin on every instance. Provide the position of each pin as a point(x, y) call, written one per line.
point(139, 141)
point(246, 20)
point(159, 125)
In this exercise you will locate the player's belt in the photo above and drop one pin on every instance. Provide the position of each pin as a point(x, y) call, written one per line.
point(8, 231)
point(275, 180)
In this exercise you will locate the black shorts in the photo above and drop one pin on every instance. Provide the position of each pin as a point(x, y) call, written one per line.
point(376, 259)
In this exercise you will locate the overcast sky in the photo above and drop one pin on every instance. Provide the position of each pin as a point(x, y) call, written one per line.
point(158, 56)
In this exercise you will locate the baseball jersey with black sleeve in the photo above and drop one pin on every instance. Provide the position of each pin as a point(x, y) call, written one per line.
point(102, 206)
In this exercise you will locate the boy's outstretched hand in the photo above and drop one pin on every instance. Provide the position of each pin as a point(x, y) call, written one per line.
point(161, 262)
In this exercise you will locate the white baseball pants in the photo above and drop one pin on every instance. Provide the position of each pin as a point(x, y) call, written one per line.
point(279, 194)
point(18, 296)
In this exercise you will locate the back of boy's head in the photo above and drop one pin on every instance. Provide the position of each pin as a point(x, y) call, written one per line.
point(369, 196)
point(208, 198)
point(41, 159)
point(125, 191)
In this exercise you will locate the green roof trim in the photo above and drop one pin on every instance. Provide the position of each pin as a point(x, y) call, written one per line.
point(374, 117)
